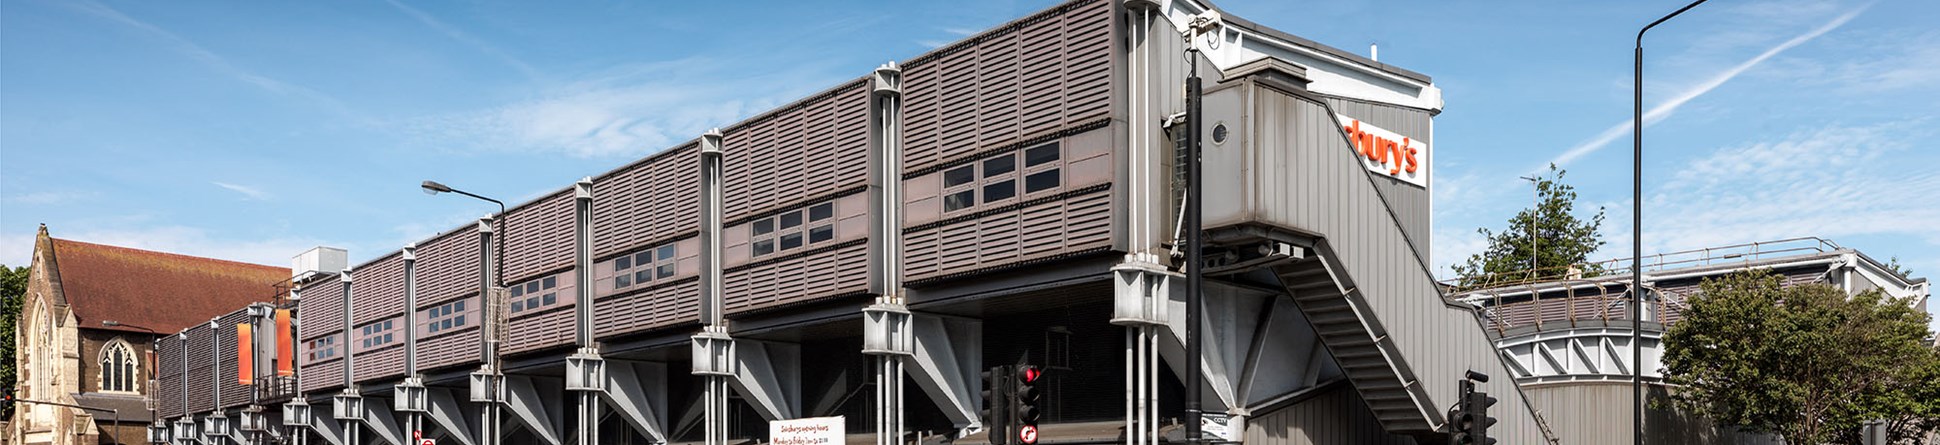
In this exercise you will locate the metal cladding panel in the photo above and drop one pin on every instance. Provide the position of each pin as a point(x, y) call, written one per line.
point(233, 392)
point(1334, 416)
point(843, 270)
point(538, 237)
point(322, 376)
point(380, 364)
point(1039, 231)
point(459, 348)
point(1410, 203)
point(1581, 412)
point(545, 330)
point(379, 290)
point(648, 202)
point(448, 266)
point(807, 150)
point(1317, 185)
point(668, 304)
point(1034, 76)
point(201, 356)
point(321, 308)
point(168, 376)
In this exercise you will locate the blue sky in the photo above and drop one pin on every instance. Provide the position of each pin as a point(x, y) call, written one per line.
point(253, 131)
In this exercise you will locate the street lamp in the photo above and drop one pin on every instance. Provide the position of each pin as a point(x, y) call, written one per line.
point(433, 188)
point(1637, 231)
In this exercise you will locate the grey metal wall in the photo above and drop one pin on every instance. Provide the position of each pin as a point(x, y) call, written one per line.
point(1410, 203)
point(1593, 413)
point(223, 341)
point(202, 368)
point(168, 377)
point(1295, 169)
point(1333, 416)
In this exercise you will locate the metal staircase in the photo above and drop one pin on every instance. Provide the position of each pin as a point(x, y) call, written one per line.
point(1361, 349)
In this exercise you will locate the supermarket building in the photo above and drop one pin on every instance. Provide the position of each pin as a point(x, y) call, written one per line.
point(868, 251)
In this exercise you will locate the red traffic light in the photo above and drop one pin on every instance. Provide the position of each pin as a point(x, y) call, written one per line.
point(1029, 374)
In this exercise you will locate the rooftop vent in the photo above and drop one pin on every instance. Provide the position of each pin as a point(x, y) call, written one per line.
point(319, 260)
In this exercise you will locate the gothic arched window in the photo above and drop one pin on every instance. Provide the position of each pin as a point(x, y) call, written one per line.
point(119, 367)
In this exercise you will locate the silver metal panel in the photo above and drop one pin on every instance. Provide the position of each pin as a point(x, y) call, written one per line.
point(1410, 203)
point(1595, 413)
point(202, 368)
point(1335, 415)
point(224, 343)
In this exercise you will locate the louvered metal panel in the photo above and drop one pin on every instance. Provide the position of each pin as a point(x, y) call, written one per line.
point(322, 377)
point(168, 389)
point(651, 201)
point(663, 306)
point(447, 267)
point(1031, 77)
point(379, 290)
point(224, 342)
point(456, 349)
point(321, 307)
point(800, 279)
point(806, 150)
point(201, 377)
point(539, 237)
point(545, 330)
point(1335, 415)
point(380, 364)
point(1081, 223)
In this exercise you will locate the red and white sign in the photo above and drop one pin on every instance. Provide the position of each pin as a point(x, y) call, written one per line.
point(1387, 152)
point(1027, 434)
point(809, 431)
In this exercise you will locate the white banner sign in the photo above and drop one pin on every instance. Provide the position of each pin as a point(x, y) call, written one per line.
point(1386, 152)
point(809, 431)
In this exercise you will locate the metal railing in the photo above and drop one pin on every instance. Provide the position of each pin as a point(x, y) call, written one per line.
point(1709, 256)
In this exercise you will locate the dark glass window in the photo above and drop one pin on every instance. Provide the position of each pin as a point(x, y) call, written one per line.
point(959, 176)
point(623, 263)
point(532, 302)
point(551, 298)
point(643, 258)
point(790, 220)
point(460, 321)
point(643, 276)
point(764, 247)
point(1000, 191)
point(999, 165)
point(820, 234)
point(532, 286)
point(1041, 181)
point(622, 281)
point(1040, 154)
point(550, 282)
point(446, 324)
point(518, 290)
point(666, 253)
point(763, 227)
point(959, 200)
point(666, 270)
point(460, 305)
point(518, 306)
point(791, 241)
point(821, 212)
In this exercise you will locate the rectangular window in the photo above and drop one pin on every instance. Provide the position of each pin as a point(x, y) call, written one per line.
point(790, 220)
point(518, 306)
point(623, 263)
point(667, 253)
point(622, 281)
point(764, 227)
point(959, 200)
point(820, 234)
point(821, 212)
point(1000, 191)
point(532, 302)
point(550, 282)
point(666, 270)
point(1041, 181)
point(643, 276)
point(999, 165)
point(791, 241)
point(959, 176)
point(643, 258)
point(551, 298)
point(1041, 154)
point(764, 247)
point(518, 290)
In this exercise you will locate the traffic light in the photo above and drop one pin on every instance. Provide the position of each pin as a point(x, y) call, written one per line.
point(1025, 397)
point(996, 404)
point(1469, 420)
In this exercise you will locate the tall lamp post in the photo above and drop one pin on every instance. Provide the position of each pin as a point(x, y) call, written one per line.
point(487, 382)
point(1637, 230)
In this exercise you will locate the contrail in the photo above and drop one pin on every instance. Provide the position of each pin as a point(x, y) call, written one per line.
point(1665, 109)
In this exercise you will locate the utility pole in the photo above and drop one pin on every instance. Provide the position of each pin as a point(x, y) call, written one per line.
point(1637, 231)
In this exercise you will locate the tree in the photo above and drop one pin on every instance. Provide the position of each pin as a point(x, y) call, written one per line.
point(1806, 362)
point(1560, 239)
point(13, 287)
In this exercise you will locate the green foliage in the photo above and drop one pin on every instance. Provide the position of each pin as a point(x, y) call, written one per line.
point(1560, 240)
point(1894, 265)
point(1806, 362)
point(13, 287)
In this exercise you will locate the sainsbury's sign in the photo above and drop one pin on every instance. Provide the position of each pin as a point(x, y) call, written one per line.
point(1386, 152)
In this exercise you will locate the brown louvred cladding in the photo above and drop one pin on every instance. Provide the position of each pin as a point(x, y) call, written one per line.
point(539, 237)
point(538, 332)
point(842, 270)
point(447, 267)
point(321, 306)
point(229, 360)
point(450, 350)
point(201, 376)
point(1031, 77)
point(379, 364)
point(1039, 231)
point(379, 289)
point(168, 375)
point(323, 376)
point(806, 150)
point(651, 201)
point(669, 304)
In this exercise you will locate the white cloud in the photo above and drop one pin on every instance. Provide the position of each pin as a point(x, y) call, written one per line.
point(248, 192)
point(49, 197)
point(1665, 108)
point(18, 249)
point(460, 35)
point(210, 59)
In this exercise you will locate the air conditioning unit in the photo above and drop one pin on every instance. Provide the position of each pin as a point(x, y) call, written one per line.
point(319, 260)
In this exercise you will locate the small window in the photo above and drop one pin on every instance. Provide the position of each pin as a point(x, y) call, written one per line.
point(666, 270)
point(434, 327)
point(551, 282)
point(460, 321)
point(1000, 191)
point(532, 287)
point(387, 338)
point(667, 253)
point(518, 290)
point(790, 220)
point(791, 241)
point(643, 258)
point(551, 298)
point(764, 227)
point(764, 247)
point(999, 165)
point(959, 200)
point(820, 234)
point(643, 276)
point(622, 281)
point(1041, 181)
point(1040, 154)
point(532, 302)
point(959, 176)
point(460, 305)
point(446, 324)
point(518, 306)
point(821, 212)
point(623, 263)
